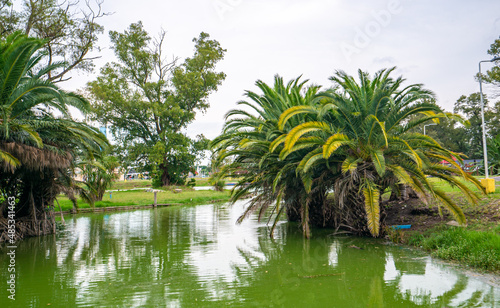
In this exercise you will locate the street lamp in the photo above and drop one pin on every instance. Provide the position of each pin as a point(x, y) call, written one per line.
point(428, 125)
point(485, 153)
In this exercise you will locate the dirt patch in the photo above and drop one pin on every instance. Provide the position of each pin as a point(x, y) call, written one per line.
point(422, 217)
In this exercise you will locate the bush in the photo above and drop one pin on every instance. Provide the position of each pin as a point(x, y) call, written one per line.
point(219, 185)
point(191, 183)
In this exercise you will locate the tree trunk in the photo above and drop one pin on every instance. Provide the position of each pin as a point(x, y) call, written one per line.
point(403, 193)
point(165, 177)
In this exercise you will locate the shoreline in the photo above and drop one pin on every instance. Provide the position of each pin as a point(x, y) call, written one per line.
point(128, 207)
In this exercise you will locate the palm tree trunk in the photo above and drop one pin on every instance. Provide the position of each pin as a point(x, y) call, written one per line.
point(36, 228)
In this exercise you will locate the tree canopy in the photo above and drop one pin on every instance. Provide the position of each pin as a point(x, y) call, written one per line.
point(69, 30)
point(493, 74)
point(148, 101)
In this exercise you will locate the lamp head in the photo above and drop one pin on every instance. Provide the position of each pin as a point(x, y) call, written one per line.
point(495, 59)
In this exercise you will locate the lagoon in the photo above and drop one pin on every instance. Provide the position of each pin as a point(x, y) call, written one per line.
point(197, 256)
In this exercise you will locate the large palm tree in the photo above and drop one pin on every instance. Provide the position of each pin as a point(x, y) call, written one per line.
point(366, 141)
point(37, 148)
point(251, 142)
point(23, 90)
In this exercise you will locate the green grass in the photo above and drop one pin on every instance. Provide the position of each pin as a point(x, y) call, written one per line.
point(477, 245)
point(478, 249)
point(126, 198)
point(130, 184)
point(202, 181)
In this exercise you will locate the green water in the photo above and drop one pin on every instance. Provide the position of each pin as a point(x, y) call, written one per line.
point(198, 257)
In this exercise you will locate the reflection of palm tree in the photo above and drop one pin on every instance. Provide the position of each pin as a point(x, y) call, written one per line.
point(292, 273)
point(296, 272)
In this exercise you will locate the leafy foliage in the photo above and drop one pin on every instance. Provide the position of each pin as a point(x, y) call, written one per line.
point(98, 173)
point(494, 154)
point(470, 107)
point(69, 31)
point(148, 100)
point(366, 133)
point(493, 74)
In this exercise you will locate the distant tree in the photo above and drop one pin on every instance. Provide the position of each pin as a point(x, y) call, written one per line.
point(69, 29)
point(148, 100)
point(494, 120)
point(494, 155)
point(470, 108)
point(492, 75)
point(450, 132)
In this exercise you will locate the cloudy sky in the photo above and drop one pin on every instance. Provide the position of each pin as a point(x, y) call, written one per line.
point(437, 43)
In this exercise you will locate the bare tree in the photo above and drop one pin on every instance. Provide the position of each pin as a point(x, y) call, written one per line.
point(70, 28)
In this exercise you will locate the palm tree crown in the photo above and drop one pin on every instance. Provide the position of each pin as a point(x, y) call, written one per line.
point(354, 141)
point(365, 128)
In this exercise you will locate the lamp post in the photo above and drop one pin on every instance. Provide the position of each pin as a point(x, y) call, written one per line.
point(485, 149)
point(428, 125)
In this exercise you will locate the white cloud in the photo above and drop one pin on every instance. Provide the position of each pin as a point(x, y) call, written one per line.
point(435, 43)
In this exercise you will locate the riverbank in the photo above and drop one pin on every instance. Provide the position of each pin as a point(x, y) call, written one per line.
point(131, 184)
point(132, 199)
point(475, 246)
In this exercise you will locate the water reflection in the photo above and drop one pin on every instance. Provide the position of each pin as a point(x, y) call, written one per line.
point(431, 283)
point(198, 256)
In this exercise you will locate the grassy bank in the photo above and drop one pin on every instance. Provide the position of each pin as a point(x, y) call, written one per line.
point(477, 249)
point(131, 184)
point(477, 245)
point(126, 198)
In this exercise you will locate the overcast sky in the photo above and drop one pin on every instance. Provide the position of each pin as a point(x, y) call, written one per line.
point(437, 43)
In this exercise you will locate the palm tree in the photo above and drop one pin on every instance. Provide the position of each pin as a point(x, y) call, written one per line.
point(37, 149)
point(98, 172)
point(251, 143)
point(367, 143)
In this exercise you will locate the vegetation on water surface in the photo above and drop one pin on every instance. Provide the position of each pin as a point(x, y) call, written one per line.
point(354, 139)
